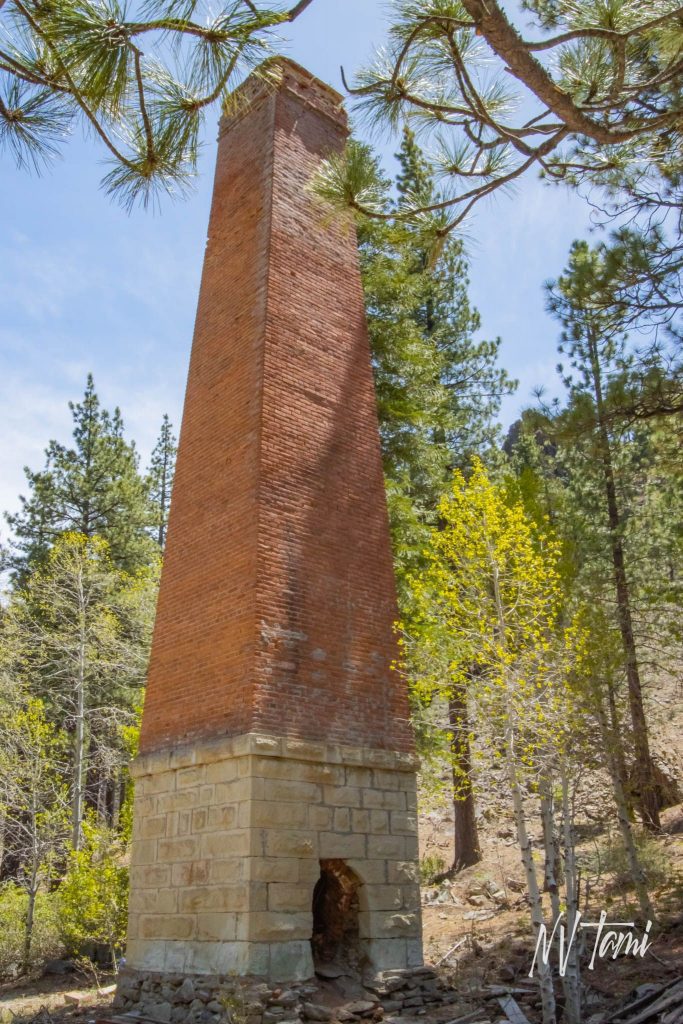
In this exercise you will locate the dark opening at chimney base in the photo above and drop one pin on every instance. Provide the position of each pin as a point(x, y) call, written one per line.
point(336, 938)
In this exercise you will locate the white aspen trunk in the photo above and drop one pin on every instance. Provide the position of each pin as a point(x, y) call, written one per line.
point(79, 745)
point(116, 799)
point(79, 737)
point(545, 976)
point(552, 869)
point(33, 887)
point(571, 982)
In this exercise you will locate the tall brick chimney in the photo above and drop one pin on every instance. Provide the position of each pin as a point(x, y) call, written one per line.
point(275, 819)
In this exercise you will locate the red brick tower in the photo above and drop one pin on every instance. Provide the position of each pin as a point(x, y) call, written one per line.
point(276, 750)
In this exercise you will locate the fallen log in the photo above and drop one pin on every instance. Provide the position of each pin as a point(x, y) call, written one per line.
point(670, 998)
point(512, 1010)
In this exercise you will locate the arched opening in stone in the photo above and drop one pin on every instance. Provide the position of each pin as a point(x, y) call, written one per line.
point(336, 938)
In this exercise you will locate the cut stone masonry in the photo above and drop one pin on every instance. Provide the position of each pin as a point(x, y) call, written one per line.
point(228, 841)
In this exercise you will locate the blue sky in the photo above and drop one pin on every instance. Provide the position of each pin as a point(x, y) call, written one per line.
point(87, 287)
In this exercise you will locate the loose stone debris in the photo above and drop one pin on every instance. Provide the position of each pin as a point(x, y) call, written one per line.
point(169, 999)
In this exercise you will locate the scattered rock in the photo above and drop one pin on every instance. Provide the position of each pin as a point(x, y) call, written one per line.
point(74, 998)
point(515, 884)
point(185, 993)
point(313, 1011)
point(360, 1006)
point(161, 1012)
point(287, 998)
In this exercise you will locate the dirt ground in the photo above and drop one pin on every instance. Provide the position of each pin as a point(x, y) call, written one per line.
point(476, 927)
point(484, 914)
point(57, 998)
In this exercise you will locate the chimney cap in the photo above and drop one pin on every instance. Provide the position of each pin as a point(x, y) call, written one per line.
point(280, 74)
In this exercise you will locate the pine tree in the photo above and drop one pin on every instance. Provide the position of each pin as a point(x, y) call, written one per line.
point(438, 391)
point(601, 108)
point(469, 373)
point(92, 488)
point(160, 479)
point(601, 454)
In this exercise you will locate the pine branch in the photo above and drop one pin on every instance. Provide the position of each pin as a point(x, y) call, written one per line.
point(73, 89)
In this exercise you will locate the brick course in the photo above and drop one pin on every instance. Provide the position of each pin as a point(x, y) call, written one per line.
point(277, 596)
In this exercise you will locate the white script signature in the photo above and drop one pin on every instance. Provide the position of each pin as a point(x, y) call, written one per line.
point(612, 938)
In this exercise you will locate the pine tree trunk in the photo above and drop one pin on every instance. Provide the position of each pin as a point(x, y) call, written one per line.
point(646, 790)
point(102, 794)
point(647, 797)
point(623, 818)
point(465, 835)
point(617, 747)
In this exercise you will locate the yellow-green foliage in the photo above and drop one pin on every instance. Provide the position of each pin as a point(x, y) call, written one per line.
point(93, 897)
point(487, 614)
point(46, 939)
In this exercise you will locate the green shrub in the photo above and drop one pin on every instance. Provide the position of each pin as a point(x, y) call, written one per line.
point(46, 940)
point(431, 865)
point(93, 897)
point(653, 857)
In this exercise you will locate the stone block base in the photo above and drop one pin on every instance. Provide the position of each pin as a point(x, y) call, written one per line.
point(232, 837)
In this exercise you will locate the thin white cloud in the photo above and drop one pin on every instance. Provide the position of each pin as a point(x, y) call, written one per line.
point(33, 411)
